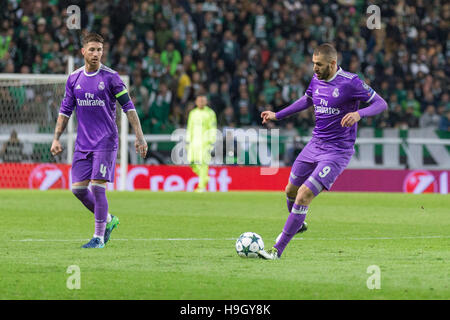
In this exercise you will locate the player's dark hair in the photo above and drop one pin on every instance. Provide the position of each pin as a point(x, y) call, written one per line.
point(92, 37)
point(327, 50)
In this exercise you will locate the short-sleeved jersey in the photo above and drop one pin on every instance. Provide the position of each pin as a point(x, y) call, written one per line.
point(332, 100)
point(94, 95)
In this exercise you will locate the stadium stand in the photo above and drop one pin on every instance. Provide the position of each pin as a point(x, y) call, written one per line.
point(249, 55)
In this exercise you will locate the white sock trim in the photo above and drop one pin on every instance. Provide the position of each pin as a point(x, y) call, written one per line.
point(79, 187)
point(103, 185)
point(302, 210)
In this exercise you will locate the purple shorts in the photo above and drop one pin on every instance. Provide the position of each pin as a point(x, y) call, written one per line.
point(93, 165)
point(319, 164)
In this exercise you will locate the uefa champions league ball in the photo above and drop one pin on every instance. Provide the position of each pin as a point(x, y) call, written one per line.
point(248, 244)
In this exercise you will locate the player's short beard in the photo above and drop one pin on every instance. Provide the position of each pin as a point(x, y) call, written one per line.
point(326, 73)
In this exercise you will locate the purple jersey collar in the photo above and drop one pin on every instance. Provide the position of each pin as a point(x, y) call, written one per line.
point(335, 75)
point(91, 74)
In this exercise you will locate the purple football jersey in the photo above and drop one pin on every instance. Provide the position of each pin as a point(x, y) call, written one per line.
point(332, 100)
point(94, 96)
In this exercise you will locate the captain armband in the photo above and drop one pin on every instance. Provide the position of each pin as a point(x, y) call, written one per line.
point(123, 97)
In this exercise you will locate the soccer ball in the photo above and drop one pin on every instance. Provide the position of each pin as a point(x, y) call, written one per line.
point(248, 244)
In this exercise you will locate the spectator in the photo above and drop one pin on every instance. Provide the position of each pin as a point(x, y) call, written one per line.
point(410, 119)
point(260, 23)
point(162, 35)
point(227, 118)
point(139, 92)
point(144, 19)
point(265, 45)
point(12, 150)
point(244, 116)
point(429, 119)
point(229, 51)
point(444, 124)
point(216, 101)
point(149, 39)
point(170, 58)
point(184, 86)
point(185, 26)
point(412, 102)
point(159, 109)
point(397, 117)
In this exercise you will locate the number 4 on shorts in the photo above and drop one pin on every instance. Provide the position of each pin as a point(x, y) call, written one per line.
point(103, 170)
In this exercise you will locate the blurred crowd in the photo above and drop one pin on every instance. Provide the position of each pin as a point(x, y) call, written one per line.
point(248, 56)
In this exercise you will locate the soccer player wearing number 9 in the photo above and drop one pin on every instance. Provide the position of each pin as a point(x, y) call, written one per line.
point(335, 95)
point(92, 91)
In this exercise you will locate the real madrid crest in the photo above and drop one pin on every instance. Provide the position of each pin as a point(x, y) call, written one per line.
point(336, 92)
point(101, 85)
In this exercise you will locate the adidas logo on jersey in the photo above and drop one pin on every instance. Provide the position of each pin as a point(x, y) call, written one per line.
point(78, 86)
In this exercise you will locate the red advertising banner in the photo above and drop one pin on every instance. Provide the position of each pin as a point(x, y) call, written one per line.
point(225, 178)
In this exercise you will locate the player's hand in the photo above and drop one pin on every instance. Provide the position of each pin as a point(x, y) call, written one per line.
point(56, 148)
point(350, 119)
point(268, 115)
point(141, 147)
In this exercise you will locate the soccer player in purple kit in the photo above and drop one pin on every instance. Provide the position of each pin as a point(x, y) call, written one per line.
point(92, 91)
point(335, 95)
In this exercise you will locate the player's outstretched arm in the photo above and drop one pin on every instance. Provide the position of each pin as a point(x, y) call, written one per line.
point(301, 104)
point(61, 124)
point(140, 143)
point(377, 106)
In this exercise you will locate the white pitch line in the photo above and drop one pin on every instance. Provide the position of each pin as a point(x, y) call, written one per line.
point(233, 239)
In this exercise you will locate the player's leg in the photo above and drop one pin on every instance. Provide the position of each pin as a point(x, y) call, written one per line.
point(323, 177)
point(202, 160)
point(101, 207)
point(195, 168)
point(295, 222)
point(103, 169)
point(291, 193)
point(82, 192)
point(203, 177)
point(300, 172)
point(81, 172)
point(193, 161)
point(296, 218)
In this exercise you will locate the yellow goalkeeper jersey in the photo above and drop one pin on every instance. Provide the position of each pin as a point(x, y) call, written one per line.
point(201, 128)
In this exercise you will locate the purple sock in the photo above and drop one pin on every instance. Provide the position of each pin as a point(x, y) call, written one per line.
point(85, 196)
point(101, 208)
point(290, 202)
point(293, 224)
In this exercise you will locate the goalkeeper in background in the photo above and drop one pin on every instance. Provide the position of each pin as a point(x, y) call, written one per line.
point(201, 137)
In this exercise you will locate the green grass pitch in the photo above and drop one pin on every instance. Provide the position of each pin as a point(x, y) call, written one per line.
point(181, 246)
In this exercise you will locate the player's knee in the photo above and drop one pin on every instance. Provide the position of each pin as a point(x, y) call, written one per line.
point(291, 190)
point(304, 196)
